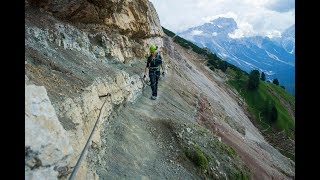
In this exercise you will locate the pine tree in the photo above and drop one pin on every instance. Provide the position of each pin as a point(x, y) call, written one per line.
point(274, 114)
point(263, 76)
point(253, 80)
point(238, 74)
point(270, 111)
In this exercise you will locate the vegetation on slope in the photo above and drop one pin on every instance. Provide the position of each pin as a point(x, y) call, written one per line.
point(210, 158)
point(268, 105)
point(261, 100)
point(267, 102)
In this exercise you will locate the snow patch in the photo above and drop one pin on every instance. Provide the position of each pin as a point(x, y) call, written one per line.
point(196, 32)
point(224, 55)
point(292, 51)
point(276, 58)
point(266, 72)
point(273, 56)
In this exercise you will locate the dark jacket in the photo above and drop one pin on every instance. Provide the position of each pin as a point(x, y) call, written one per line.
point(154, 64)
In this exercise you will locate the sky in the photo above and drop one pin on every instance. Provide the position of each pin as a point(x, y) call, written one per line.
point(253, 17)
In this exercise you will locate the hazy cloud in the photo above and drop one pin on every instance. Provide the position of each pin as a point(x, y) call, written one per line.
point(281, 5)
point(258, 17)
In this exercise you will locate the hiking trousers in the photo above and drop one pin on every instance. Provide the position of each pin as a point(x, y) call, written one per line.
point(154, 78)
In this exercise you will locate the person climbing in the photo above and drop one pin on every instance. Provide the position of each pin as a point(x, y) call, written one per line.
point(153, 64)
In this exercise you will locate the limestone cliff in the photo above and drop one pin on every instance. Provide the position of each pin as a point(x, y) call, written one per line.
point(77, 52)
point(136, 19)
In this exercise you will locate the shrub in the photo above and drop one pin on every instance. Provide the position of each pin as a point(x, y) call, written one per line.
point(198, 158)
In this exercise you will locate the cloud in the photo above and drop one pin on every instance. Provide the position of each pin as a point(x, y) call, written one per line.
point(244, 29)
point(258, 17)
point(214, 34)
point(196, 32)
point(273, 33)
point(281, 5)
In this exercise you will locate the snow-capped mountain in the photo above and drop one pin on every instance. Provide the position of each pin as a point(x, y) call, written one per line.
point(275, 57)
point(287, 40)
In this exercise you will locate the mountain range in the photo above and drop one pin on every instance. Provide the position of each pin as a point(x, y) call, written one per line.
point(273, 56)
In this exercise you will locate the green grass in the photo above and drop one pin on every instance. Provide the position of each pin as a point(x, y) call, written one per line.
point(256, 104)
point(226, 149)
point(241, 176)
point(252, 98)
point(281, 92)
point(198, 157)
point(284, 120)
point(256, 99)
point(289, 155)
point(231, 72)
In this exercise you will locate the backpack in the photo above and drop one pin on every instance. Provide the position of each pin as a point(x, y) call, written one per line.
point(157, 60)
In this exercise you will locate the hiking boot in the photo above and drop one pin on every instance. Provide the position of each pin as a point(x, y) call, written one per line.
point(153, 97)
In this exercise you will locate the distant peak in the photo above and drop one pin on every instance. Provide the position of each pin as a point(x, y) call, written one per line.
point(224, 22)
point(223, 19)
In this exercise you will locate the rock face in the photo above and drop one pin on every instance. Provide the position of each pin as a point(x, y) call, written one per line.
point(137, 19)
point(120, 30)
point(82, 54)
point(46, 144)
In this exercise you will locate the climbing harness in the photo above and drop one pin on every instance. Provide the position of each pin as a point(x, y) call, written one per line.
point(154, 75)
point(146, 82)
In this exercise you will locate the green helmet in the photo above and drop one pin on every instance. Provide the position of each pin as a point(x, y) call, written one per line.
point(153, 48)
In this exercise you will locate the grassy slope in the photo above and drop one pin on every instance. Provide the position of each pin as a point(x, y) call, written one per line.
point(254, 99)
point(284, 119)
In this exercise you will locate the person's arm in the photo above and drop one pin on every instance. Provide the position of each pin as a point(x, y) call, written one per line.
point(162, 69)
point(145, 71)
point(147, 67)
point(162, 65)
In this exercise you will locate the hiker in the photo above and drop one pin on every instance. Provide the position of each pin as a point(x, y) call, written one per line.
point(153, 64)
